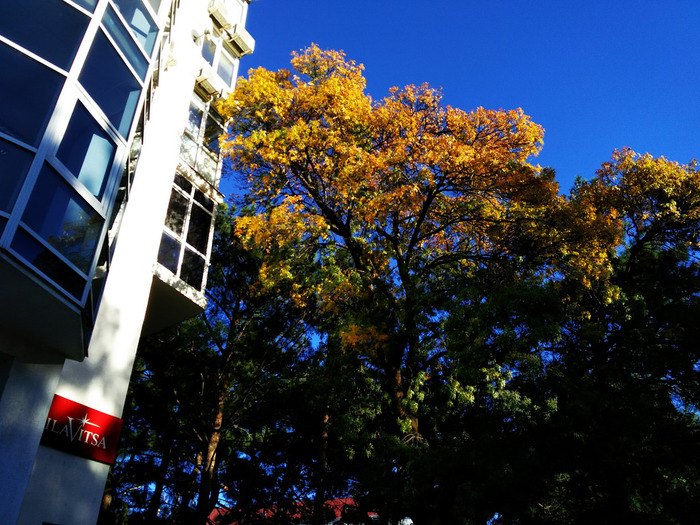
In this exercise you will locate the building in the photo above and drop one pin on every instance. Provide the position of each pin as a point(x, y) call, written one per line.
point(109, 170)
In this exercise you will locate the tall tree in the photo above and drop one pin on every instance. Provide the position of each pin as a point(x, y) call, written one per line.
point(195, 410)
point(393, 196)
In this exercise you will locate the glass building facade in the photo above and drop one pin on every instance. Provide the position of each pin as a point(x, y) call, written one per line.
point(75, 87)
point(73, 79)
point(109, 168)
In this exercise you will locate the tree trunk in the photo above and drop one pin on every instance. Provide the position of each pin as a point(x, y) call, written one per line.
point(321, 469)
point(156, 498)
point(208, 485)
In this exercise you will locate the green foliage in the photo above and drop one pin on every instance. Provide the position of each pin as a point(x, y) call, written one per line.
point(407, 312)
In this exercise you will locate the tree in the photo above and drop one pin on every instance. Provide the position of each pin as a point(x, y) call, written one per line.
point(407, 311)
point(392, 196)
point(622, 445)
point(207, 397)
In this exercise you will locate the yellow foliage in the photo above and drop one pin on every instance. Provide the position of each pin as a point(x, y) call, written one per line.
point(404, 183)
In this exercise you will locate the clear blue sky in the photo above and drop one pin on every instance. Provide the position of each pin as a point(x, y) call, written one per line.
point(596, 74)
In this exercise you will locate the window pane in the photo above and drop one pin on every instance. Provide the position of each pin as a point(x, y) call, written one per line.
point(63, 219)
point(169, 253)
point(225, 69)
point(188, 150)
point(3, 223)
point(110, 83)
point(177, 211)
point(50, 28)
point(208, 51)
point(87, 4)
point(206, 165)
point(183, 183)
point(46, 262)
point(125, 42)
point(155, 4)
point(212, 131)
point(192, 269)
point(87, 151)
point(205, 201)
point(140, 22)
point(199, 228)
point(25, 107)
point(195, 120)
point(14, 165)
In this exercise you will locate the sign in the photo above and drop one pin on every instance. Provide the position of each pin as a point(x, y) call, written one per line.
point(81, 430)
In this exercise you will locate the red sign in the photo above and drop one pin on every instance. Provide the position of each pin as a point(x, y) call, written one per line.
point(81, 430)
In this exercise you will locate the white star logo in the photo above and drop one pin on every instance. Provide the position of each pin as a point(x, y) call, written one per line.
point(86, 421)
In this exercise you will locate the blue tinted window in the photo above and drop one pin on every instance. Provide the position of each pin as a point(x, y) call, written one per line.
point(87, 151)
point(63, 219)
point(123, 39)
point(14, 165)
point(86, 4)
point(46, 262)
point(140, 22)
point(208, 51)
point(50, 28)
point(109, 81)
point(25, 107)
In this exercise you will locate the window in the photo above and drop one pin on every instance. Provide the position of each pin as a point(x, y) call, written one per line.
point(50, 28)
point(111, 84)
point(223, 63)
point(64, 125)
point(87, 151)
point(140, 22)
point(200, 141)
point(186, 240)
point(25, 106)
point(63, 219)
point(124, 39)
point(14, 165)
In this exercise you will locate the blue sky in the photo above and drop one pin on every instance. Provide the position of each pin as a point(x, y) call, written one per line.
point(596, 74)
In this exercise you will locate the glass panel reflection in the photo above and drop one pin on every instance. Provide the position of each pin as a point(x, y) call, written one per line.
point(194, 120)
point(25, 107)
point(177, 210)
point(109, 81)
point(87, 151)
point(169, 253)
point(50, 28)
point(48, 263)
point(140, 22)
point(206, 165)
point(57, 214)
point(208, 51)
point(86, 4)
point(192, 271)
point(225, 68)
point(14, 165)
point(199, 228)
point(123, 39)
point(212, 130)
point(188, 150)
point(183, 183)
point(205, 201)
